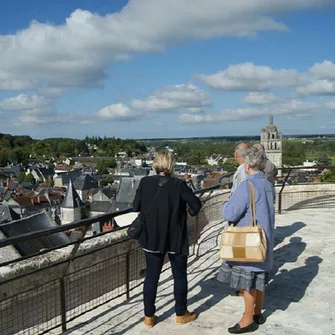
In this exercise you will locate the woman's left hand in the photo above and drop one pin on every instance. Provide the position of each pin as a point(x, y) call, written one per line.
point(226, 197)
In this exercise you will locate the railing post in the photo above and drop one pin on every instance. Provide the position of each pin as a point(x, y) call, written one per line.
point(196, 229)
point(127, 274)
point(62, 303)
point(196, 232)
point(279, 203)
point(281, 191)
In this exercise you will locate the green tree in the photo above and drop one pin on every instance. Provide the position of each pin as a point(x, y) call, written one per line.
point(81, 148)
point(323, 159)
point(230, 165)
point(294, 153)
point(3, 157)
point(104, 182)
point(22, 177)
point(328, 176)
point(30, 179)
point(104, 164)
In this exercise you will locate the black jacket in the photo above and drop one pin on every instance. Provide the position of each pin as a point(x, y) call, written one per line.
point(165, 225)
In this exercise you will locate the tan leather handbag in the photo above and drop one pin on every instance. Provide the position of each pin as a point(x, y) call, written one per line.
point(244, 244)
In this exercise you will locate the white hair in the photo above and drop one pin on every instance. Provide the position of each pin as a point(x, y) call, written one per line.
point(256, 158)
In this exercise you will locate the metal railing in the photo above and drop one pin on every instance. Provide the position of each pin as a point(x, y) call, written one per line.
point(305, 196)
point(41, 298)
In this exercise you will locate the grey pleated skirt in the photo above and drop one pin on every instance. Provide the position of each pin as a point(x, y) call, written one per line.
point(241, 279)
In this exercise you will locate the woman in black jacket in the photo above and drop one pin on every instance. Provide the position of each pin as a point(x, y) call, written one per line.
point(162, 199)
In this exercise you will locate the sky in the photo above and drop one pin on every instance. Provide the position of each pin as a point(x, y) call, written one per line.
point(166, 68)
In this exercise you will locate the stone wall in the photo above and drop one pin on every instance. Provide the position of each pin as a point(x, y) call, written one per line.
point(314, 195)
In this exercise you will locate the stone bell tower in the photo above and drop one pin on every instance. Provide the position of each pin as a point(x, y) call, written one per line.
point(272, 141)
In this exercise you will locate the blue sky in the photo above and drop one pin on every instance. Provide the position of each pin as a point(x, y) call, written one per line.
point(166, 68)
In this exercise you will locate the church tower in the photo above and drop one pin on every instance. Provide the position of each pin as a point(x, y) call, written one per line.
point(71, 208)
point(272, 141)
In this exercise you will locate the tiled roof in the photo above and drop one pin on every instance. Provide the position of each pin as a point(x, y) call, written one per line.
point(110, 192)
point(105, 194)
point(85, 182)
point(7, 214)
point(101, 206)
point(30, 224)
point(72, 199)
point(8, 195)
point(127, 190)
point(44, 173)
point(24, 201)
point(73, 175)
point(13, 171)
point(12, 184)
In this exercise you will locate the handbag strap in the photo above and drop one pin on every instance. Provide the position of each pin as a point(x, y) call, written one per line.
point(253, 221)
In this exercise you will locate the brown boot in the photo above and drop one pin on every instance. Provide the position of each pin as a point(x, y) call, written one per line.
point(149, 321)
point(186, 318)
point(239, 293)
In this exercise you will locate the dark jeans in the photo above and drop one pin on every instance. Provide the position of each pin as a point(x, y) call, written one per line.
point(154, 263)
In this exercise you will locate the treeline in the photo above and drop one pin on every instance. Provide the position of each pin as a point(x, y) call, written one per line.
point(295, 152)
point(21, 149)
point(195, 152)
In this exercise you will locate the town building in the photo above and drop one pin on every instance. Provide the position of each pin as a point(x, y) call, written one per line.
point(272, 140)
point(72, 206)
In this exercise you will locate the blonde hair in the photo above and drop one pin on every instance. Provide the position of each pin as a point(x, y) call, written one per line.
point(164, 163)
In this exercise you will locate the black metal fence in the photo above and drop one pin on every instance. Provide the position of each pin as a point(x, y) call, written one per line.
point(48, 297)
point(294, 194)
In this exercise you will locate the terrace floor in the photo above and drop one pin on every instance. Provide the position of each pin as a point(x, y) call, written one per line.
point(299, 299)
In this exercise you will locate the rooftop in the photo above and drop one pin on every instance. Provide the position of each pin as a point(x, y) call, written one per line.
point(302, 284)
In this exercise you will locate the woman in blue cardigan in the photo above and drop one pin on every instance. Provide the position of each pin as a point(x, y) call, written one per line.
point(251, 277)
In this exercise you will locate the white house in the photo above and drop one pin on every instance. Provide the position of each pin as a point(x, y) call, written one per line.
point(215, 159)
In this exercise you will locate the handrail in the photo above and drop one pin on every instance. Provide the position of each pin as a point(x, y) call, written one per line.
point(76, 224)
point(314, 167)
point(296, 168)
point(281, 191)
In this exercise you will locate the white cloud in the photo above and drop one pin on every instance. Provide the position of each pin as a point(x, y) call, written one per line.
point(225, 115)
point(24, 102)
point(324, 70)
point(250, 77)
point(256, 98)
point(40, 120)
point(182, 97)
point(317, 87)
point(171, 98)
point(76, 53)
point(118, 112)
point(193, 110)
point(321, 80)
point(51, 92)
point(331, 105)
point(289, 108)
point(296, 106)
